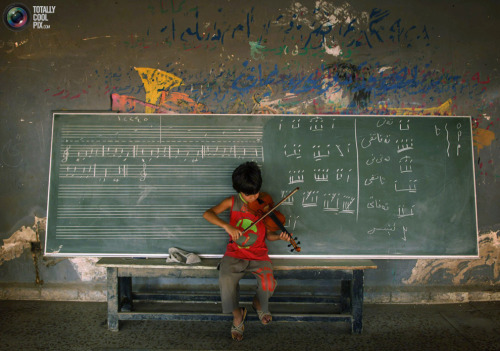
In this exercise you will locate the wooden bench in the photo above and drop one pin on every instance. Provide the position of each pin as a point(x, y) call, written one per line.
point(350, 273)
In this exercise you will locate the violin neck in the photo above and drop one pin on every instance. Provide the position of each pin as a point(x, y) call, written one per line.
point(280, 225)
point(275, 219)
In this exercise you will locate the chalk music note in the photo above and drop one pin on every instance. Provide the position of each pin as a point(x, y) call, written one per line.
point(143, 174)
point(65, 155)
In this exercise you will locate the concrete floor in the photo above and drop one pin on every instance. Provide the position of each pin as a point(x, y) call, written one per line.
point(42, 325)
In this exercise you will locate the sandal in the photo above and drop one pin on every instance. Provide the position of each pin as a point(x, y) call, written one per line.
point(237, 331)
point(261, 315)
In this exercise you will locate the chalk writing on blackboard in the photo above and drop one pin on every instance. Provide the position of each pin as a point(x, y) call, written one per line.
point(370, 185)
point(379, 177)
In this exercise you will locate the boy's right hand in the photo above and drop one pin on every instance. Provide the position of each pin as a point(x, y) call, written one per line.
point(233, 232)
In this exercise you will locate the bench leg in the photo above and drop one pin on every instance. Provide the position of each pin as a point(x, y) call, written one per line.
point(125, 298)
point(113, 323)
point(357, 301)
point(345, 295)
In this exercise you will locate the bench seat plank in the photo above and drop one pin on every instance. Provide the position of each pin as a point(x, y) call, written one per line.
point(279, 264)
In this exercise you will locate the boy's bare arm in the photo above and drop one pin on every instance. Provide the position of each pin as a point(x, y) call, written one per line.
point(273, 236)
point(212, 216)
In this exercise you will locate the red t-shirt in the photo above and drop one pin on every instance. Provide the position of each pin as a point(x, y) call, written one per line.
point(251, 245)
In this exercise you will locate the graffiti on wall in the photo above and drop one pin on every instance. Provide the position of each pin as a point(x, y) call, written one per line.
point(327, 34)
point(324, 26)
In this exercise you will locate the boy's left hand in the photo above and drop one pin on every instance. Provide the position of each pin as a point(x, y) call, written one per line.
point(285, 237)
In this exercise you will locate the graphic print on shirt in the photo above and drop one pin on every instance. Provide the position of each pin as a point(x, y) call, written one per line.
point(248, 238)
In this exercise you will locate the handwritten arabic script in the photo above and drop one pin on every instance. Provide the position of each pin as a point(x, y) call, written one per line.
point(371, 173)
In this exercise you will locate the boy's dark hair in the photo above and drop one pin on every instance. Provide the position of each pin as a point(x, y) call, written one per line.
point(247, 178)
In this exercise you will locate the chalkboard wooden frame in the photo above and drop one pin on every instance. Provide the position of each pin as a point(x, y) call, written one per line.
point(95, 171)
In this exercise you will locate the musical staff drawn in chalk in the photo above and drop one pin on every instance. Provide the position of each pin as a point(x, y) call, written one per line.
point(140, 232)
point(138, 211)
point(141, 171)
point(153, 134)
point(80, 153)
point(134, 192)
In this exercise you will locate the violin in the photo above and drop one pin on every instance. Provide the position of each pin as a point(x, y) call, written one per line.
point(274, 220)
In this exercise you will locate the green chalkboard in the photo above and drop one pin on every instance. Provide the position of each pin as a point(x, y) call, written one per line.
point(370, 186)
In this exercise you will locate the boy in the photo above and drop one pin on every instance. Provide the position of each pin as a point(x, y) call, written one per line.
point(244, 253)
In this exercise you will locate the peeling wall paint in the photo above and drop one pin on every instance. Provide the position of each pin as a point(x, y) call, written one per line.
point(461, 271)
point(21, 240)
point(87, 270)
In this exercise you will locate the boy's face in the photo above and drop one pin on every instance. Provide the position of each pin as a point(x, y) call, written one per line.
point(250, 198)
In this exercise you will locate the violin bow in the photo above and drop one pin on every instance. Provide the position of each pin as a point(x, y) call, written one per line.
point(271, 210)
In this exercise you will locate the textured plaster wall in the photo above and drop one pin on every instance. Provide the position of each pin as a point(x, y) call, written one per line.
point(305, 57)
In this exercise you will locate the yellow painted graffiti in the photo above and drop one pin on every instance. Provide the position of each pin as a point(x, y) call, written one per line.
point(482, 137)
point(441, 110)
point(155, 83)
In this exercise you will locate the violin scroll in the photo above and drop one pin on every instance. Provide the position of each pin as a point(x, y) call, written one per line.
point(293, 243)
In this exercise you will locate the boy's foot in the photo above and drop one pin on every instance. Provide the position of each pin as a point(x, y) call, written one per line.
point(237, 331)
point(265, 317)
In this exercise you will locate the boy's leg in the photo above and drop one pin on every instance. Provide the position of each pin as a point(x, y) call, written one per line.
point(266, 284)
point(230, 273)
